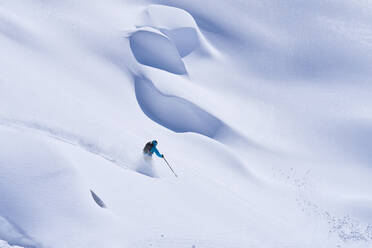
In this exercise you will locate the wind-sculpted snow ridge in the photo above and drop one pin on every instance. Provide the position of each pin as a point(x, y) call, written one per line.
point(181, 115)
point(168, 35)
point(156, 50)
point(174, 113)
point(185, 39)
point(180, 27)
point(292, 76)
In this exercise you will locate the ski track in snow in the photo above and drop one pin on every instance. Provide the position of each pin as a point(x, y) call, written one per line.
point(14, 235)
point(63, 136)
point(161, 43)
point(347, 228)
point(71, 139)
point(66, 137)
point(4, 244)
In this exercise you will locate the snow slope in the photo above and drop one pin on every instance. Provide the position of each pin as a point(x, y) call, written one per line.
point(263, 109)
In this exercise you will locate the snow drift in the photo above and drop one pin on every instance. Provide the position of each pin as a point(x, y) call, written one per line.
point(263, 109)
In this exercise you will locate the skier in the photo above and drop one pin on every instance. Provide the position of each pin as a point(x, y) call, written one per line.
point(150, 148)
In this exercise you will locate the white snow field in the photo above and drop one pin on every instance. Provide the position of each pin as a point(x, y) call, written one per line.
point(262, 107)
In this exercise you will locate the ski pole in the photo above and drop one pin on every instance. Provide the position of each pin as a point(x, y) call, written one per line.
point(169, 166)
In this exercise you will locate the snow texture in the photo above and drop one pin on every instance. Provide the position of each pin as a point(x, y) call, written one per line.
point(152, 49)
point(173, 112)
point(263, 109)
point(4, 244)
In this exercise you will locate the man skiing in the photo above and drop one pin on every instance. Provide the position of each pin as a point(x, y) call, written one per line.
point(150, 148)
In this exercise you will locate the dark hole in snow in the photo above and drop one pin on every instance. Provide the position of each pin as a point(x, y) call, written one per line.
point(97, 199)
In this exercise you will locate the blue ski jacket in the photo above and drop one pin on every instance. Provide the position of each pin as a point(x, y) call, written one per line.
point(153, 149)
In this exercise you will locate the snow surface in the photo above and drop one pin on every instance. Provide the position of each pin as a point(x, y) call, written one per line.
point(157, 51)
point(263, 108)
point(4, 244)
